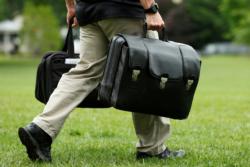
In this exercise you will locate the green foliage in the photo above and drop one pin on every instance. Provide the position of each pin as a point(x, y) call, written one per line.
point(41, 31)
point(58, 7)
point(197, 22)
point(238, 17)
point(10, 8)
point(215, 135)
point(2, 10)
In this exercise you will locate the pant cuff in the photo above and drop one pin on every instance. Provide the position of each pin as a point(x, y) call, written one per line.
point(152, 151)
point(45, 127)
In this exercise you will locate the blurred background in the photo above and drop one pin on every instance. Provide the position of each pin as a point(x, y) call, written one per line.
point(217, 130)
point(31, 28)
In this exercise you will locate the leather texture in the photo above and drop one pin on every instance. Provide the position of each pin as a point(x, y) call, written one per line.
point(51, 69)
point(37, 142)
point(49, 72)
point(150, 76)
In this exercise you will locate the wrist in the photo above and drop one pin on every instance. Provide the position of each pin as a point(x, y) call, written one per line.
point(70, 4)
point(152, 9)
point(146, 3)
point(71, 9)
point(150, 14)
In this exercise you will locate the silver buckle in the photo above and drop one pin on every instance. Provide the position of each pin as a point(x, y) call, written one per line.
point(189, 84)
point(163, 82)
point(135, 75)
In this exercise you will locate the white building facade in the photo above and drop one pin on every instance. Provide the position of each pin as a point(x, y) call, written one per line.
point(9, 35)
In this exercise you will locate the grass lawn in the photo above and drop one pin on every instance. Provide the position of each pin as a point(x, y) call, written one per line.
point(217, 132)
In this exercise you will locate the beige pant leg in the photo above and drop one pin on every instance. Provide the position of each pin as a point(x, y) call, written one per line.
point(151, 130)
point(75, 85)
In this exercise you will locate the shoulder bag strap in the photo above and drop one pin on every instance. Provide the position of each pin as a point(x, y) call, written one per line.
point(69, 43)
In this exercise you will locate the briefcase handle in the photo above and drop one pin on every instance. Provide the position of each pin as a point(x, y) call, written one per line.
point(69, 42)
point(163, 32)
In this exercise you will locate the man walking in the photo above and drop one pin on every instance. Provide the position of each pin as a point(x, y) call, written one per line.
point(99, 21)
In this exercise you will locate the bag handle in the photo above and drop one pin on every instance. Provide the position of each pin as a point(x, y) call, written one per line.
point(163, 37)
point(69, 42)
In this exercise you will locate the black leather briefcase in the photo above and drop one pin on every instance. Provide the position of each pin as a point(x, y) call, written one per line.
point(150, 76)
point(53, 66)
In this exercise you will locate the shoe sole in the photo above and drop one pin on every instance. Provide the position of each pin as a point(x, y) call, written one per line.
point(170, 154)
point(32, 147)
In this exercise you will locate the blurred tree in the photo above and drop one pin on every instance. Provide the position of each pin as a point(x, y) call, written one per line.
point(3, 10)
point(165, 6)
point(196, 22)
point(238, 17)
point(58, 7)
point(41, 30)
point(10, 8)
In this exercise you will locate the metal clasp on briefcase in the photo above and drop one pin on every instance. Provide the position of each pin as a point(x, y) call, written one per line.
point(163, 82)
point(189, 84)
point(135, 74)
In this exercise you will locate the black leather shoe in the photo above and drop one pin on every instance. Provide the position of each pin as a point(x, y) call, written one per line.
point(36, 141)
point(165, 154)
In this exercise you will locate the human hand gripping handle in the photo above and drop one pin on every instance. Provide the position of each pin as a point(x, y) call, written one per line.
point(71, 13)
point(154, 20)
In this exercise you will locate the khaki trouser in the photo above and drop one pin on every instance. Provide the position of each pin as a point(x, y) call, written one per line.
point(75, 85)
